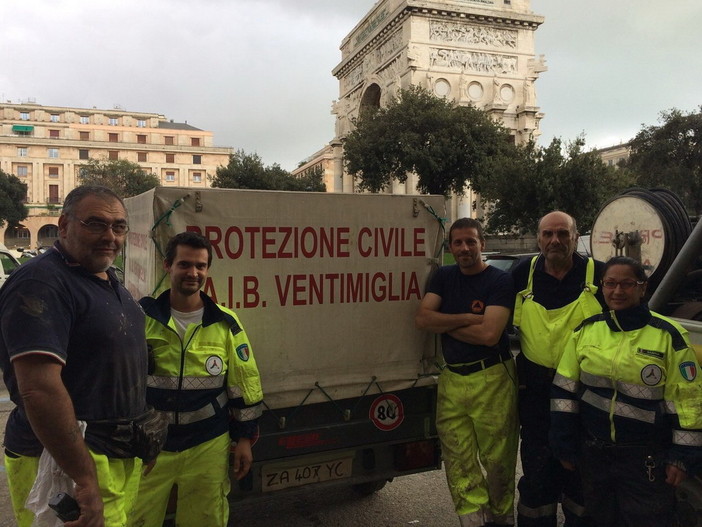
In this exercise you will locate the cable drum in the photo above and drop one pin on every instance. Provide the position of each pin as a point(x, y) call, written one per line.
point(648, 225)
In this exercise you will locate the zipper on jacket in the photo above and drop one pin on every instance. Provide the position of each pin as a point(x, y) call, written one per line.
point(183, 348)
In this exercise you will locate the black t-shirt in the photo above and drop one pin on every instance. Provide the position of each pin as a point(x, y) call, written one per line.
point(93, 326)
point(462, 293)
point(551, 292)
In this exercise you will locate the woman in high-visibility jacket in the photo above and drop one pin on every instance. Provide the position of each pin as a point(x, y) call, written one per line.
point(626, 406)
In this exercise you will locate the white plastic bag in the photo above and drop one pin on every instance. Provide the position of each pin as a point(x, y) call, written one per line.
point(51, 480)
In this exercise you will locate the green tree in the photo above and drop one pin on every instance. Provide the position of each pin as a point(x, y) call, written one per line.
point(246, 171)
point(536, 180)
point(311, 181)
point(13, 194)
point(445, 145)
point(670, 156)
point(123, 177)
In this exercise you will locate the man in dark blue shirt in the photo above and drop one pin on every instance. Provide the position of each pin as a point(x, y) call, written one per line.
point(73, 348)
point(469, 305)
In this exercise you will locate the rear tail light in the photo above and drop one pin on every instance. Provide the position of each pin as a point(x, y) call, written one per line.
point(419, 454)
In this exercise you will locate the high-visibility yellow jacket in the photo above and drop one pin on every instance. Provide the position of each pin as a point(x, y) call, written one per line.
point(629, 377)
point(543, 332)
point(203, 379)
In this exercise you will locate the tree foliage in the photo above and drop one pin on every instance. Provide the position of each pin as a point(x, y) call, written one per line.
point(445, 145)
point(123, 177)
point(670, 156)
point(246, 171)
point(536, 180)
point(12, 197)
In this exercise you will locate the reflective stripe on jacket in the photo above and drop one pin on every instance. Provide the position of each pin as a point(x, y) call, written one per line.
point(629, 377)
point(544, 332)
point(204, 377)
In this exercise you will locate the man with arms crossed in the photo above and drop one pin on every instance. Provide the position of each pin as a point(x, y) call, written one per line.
point(203, 376)
point(556, 292)
point(72, 348)
point(469, 305)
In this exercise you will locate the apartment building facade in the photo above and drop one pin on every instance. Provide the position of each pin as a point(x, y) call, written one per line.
point(47, 146)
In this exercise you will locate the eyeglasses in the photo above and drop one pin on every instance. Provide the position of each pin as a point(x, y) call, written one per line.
point(100, 227)
point(626, 285)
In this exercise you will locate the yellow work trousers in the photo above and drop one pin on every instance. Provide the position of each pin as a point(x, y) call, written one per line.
point(118, 480)
point(478, 428)
point(202, 476)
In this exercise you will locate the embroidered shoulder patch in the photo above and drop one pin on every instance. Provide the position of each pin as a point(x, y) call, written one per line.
point(688, 370)
point(243, 352)
point(650, 353)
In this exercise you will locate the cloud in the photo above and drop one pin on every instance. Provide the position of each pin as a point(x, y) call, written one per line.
point(258, 72)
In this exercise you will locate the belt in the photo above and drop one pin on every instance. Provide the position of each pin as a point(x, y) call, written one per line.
point(601, 444)
point(467, 369)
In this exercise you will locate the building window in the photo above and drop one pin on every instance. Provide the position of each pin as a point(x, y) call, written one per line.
point(113, 121)
point(22, 151)
point(53, 153)
point(84, 119)
point(21, 129)
point(19, 232)
point(194, 141)
point(54, 134)
point(22, 171)
point(197, 177)
point(83, 154)
point(113, 155)
point(141, 123)
point(197, 160)
point(170, 158)
point(54, 194)
point(54, 118)
point(53, 171)
point(85, 136)
point(141, 157)
point(170, 176)
point(24, 116)
point(141, 139)
point(168, 139)
point(112, 138)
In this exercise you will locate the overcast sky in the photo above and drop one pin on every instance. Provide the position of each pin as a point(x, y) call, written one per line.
point(257, 73)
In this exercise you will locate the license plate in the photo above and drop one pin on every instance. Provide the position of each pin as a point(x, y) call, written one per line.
point(282, 476)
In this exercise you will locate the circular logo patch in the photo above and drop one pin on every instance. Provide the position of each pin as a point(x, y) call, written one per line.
point(387, 412)
point(651, 375)
point(214, 365)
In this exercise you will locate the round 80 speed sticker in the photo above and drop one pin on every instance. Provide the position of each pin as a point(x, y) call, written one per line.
point(387, 412)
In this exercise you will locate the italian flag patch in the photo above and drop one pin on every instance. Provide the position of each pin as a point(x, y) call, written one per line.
point(688, 370)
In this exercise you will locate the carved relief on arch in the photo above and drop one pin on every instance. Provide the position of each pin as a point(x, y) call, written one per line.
point(472, 34)
point(473, 61)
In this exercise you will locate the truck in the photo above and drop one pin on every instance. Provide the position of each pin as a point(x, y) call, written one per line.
point(651, 225)
point(326, 286)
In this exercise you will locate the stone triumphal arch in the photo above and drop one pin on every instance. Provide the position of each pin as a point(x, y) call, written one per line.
point(478, 52)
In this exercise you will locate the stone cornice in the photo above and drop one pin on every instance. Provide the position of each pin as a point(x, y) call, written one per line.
point(423, 8)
